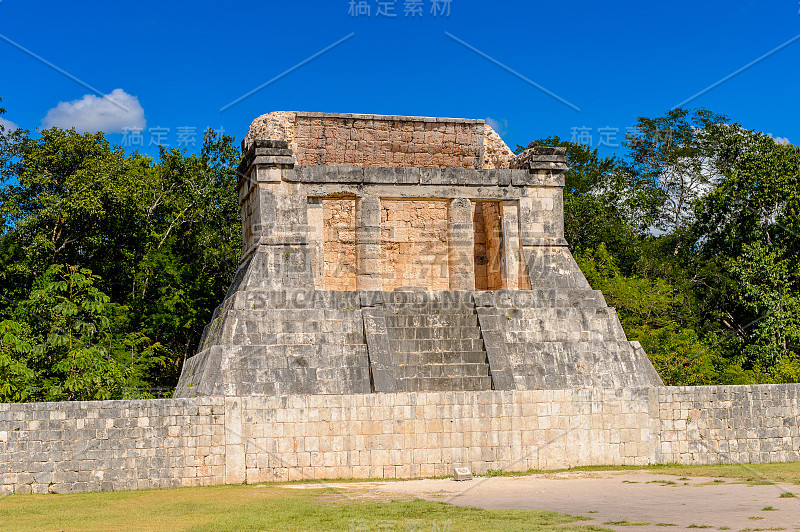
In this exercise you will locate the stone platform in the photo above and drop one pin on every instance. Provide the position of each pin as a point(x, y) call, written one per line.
point(392, 254)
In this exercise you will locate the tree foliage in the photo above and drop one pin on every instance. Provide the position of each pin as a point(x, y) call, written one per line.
point(693, 237)
point(159, 239)
point(112, 262)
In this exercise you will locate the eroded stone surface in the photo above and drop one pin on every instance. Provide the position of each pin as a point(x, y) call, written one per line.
point(338, 209)
point(114, 445)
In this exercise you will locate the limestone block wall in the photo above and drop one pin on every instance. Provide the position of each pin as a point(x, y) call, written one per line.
point(339, 221)
point(383, 140)
point(414, 244)
point(728, 424)
point(113, 445)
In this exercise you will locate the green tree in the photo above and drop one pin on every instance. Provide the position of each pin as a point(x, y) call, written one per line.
point(767, 295)
point(162, 237)
point(676, 152)
point(652, 311)
point(18, 381)
point(74, 345)
point(604, 202)
point(680, 356)
point(747, 237)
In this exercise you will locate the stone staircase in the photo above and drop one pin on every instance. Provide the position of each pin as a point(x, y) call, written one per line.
point(562, 338)
point(436, 345)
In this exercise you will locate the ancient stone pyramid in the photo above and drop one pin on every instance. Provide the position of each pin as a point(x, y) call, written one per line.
point(397, 253)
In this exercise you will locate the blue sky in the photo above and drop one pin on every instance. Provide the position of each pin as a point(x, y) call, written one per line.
point(176, 64)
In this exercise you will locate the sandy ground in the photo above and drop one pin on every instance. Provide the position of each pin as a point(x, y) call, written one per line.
point(610, 496)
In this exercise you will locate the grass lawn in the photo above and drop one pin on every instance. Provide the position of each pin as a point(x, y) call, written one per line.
point(277, 507)
point(261, 507)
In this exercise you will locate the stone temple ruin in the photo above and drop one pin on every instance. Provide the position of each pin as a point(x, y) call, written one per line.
point(398, 253)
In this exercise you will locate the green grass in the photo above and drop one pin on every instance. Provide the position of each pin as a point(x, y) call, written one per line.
point(755, 474)
point(272, 506)
point(260, 507)
point(626, 523)
point(787, 495)
point(699, 526)
point(769, 509)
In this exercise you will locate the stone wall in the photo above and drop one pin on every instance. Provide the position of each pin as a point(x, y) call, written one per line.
point(383, 140)
point(414, 244)
point(339, 221)
point(113, 445)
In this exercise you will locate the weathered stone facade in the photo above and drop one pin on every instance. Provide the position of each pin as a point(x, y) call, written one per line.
point(387, 253)
point(114, 445)
point(405, 304)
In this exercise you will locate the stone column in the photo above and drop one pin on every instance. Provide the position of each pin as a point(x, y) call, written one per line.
point(316, 242)
point(235, 469)
point(511, 248)
point(461, 245)
point(368, 243)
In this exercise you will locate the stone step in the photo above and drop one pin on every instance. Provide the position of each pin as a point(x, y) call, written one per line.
point(571, 314)
point(442, 298)
point(451, 357)
point(441, 370)
point(259, 339)
point(434, 333)
point(432, 320)
point(421, 384)
point(429, 308)
point(566, 334)
point(436, 346)
point(542, 298)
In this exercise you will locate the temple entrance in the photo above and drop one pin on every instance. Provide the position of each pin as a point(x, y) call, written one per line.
point(418, 244)
point(489, 267)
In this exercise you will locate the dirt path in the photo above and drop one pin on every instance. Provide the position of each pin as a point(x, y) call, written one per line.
point(612, 496)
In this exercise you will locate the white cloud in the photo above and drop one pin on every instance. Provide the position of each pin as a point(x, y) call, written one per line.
point(8, 124)
point(110, 113)
point(500, 126)
point(779, 140)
